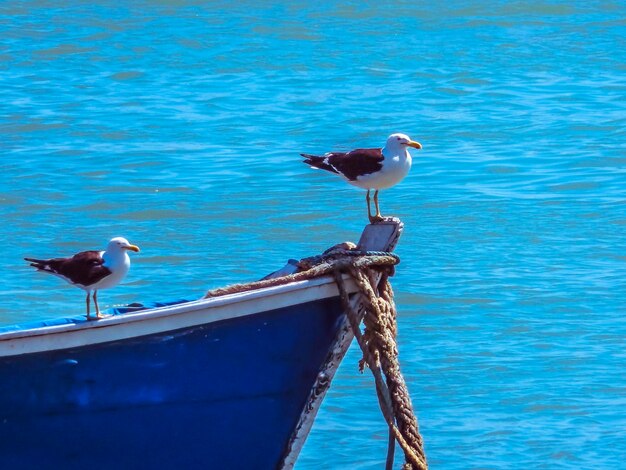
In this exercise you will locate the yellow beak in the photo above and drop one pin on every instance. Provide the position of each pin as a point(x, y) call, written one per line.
point(134, 248)
point(415, 145)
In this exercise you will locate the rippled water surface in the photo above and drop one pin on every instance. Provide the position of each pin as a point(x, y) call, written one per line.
point(178, 125)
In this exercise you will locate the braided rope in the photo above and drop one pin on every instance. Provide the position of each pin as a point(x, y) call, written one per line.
point(314, 266)
point(379, 347)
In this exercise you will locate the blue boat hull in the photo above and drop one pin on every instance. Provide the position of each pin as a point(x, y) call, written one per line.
point(226, 394)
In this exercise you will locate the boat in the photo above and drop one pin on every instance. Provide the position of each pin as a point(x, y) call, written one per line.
point(233, 381)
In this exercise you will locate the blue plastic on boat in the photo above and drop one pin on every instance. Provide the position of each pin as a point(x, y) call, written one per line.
point(134, 307)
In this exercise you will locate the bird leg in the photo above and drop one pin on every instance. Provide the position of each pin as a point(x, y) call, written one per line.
point(376, 204)
point(367, 198)
point(87, 302)
point(95, 301)
point(376, 217)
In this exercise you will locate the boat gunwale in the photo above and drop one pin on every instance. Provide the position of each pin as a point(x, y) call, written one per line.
point(158, 319)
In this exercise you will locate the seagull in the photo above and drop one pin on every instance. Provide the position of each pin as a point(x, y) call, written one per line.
point(91, 270)
point(371, 169)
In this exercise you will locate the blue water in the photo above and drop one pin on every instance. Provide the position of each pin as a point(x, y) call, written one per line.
point(178, 125)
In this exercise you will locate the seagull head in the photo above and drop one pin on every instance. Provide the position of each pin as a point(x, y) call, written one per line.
point(399, 141)
point(120, 244)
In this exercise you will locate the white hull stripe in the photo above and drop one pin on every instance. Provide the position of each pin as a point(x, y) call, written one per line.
point(163, 319)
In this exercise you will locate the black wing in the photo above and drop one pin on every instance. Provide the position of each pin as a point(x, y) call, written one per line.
point(351, 164)
point(83, 268)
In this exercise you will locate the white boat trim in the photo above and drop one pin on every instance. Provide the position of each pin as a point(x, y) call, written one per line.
point(317, 394)
point(168, 318)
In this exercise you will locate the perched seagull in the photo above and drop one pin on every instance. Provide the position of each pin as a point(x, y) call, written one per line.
point(370, 168)
point(91, 270)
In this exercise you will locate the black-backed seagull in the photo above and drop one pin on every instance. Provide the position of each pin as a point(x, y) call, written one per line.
point(91, 270)
point(372, 168)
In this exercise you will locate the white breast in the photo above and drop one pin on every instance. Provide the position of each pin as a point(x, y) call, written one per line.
point(394, 169)
point(119, 266)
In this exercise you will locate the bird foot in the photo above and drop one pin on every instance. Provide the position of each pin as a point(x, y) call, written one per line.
point(374, 219)
point(97, 317)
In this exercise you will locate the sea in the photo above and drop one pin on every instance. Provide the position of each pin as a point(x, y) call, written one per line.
point(178, 124)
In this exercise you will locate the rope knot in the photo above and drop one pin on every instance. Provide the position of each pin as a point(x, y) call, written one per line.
point(370, 271)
